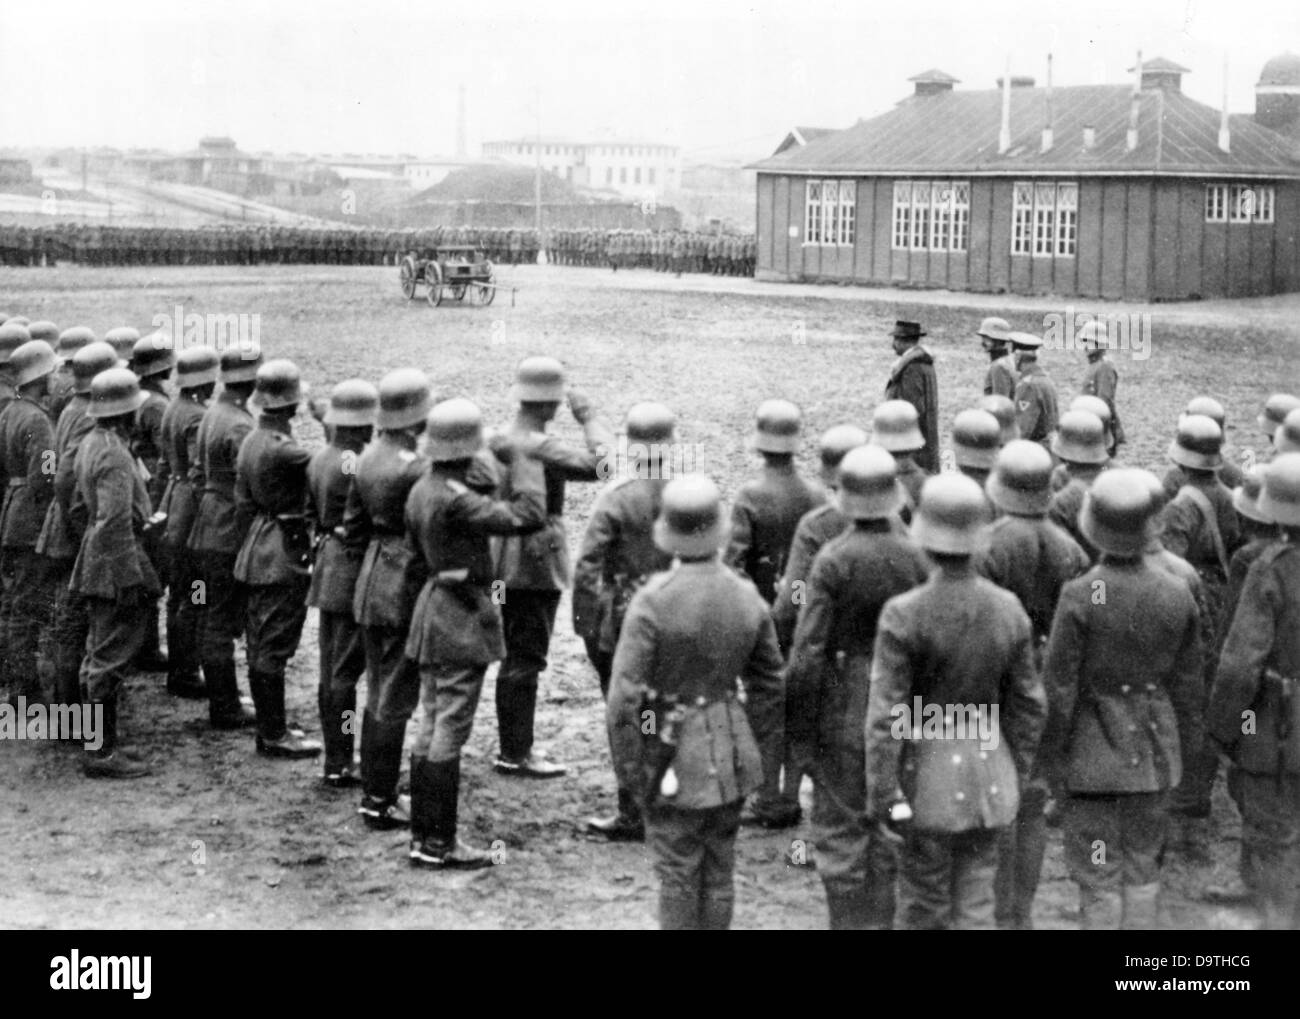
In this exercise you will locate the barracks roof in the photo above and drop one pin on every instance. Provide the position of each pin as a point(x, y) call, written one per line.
point(957, 132)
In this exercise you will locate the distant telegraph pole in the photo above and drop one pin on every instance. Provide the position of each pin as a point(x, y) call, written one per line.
point(537, 182)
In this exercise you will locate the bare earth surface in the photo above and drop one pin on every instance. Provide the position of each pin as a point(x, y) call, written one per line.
point(218, 837)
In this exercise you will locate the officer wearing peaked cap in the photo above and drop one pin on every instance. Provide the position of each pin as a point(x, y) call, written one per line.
point(828, 678)
point(764, 517)
point(1256, 678)
point(1000, 376)
point(350, 421)
point(388, 581)
point(59, 540)
point(535, 567)
point(1101, 379)
point(1035, 399)
point(456, 628)
point(912, 378)
point(961, 789)
point(894, 428)
point(218, 533)
point(274, 560)
point(152, 360)
point(61, 388)
point(112, 572)
point(693, 771)
point(196, 377)
point(617, 556)
point(26, 462)
point(1033, 558)
point(1123, 684)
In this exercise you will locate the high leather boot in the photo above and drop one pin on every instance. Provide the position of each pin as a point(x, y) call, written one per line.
point(1141, 905)
point(624, 826)
point(715, 912)
point(847, 909)
point(224, 709)
point(440, 849)
point(423, 796)
point(380, 806)
point(367, 746)
point(183, 678)
point(679, 912)
point(108, 761)
point(150, 657)
point(339, 745)
point(274, 738)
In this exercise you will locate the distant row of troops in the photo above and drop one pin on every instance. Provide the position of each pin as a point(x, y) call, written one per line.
point(953, 656)
point(714, 252)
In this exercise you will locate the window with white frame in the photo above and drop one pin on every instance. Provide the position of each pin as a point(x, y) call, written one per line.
point(931, 215)
point(960, 214)
point(1216, 203)
point(902, 214)
point(1239, 203)
point(1044, 219)
point(830, 212)
point(921, 214)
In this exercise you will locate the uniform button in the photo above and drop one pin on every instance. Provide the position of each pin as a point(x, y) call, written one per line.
point(1124, 688)
point(956, 758)
point(1132, 728)
point(984, 755)
point(1151, 686)
point(1154, 725)
point(993, 789)
point(959, 796)
point(1136, 761)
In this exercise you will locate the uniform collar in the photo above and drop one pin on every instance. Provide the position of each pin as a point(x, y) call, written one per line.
point(275, 423)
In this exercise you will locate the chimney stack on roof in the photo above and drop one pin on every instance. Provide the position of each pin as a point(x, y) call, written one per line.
point(1047, 103)
point(1089, 136)
point(1004, 132)
point(1131, 140)
point(1160, 73)
point(1017, 80)
point(1225, 140)
point(933, 82)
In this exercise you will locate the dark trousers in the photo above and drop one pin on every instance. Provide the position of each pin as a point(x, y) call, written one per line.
point(183, 615)
point(67, 635)
point(114, 634)
point(392, 693)
point(858, 867)
point(449, 696)
point(221, 610)
point(527, 617)
point(695, 857)
point(24, 611)
point(1021, 849)
point(342, 660)
point(946, 880)
point(1270, 826)
point(275, 614)
point(601, 660)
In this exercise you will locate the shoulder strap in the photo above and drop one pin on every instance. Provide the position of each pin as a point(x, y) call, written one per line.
point(1202, 502)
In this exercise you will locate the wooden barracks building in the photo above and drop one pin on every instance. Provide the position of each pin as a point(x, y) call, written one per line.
point(1110, 191)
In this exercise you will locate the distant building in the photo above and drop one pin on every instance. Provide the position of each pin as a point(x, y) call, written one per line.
point(15, 171)
point(1104, 191)
point(634, 169)
point(801, 136)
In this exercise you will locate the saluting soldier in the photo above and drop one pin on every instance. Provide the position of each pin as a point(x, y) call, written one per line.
point(931, 685)
point(65, 638)
point(764, 517)
point(1000, 376)
point(196, 378)
point(912, 378)
point(388, 581)
point(1036, 404)
point(112, 573)
point(350, 422)
point(27, 465)
point(218, 533)
point(152, 360)
point(535, 567)
point(829, 674)
point(456, 629)
point(1123, 684)
point(1101, 378)
point(682, 740)
point(274, 561)
point(1033, 558)
point(1253, 706)
point(618, 555)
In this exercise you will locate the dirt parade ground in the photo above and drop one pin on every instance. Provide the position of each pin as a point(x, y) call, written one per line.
point(218, 837)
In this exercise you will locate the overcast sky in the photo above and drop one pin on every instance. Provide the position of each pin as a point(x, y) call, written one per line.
point(721, 78)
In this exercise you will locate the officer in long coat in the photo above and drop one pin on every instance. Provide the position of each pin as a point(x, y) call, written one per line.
point(112, 572)
point(682, 740)
point(388, 581)
point(764, 516)
point(59, 541)
point(618, 555)
point(274, 560)
point(27, 463)
point(829, 677)
point(1122, 672)
point(1253, 707)
point(912, 378)
point(349, 421)
point(218, 533)
point(1033, 558)
point(196, 378)
point(1000, 376)
point(934, 740)
point(456, 628)
point(535, 567)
